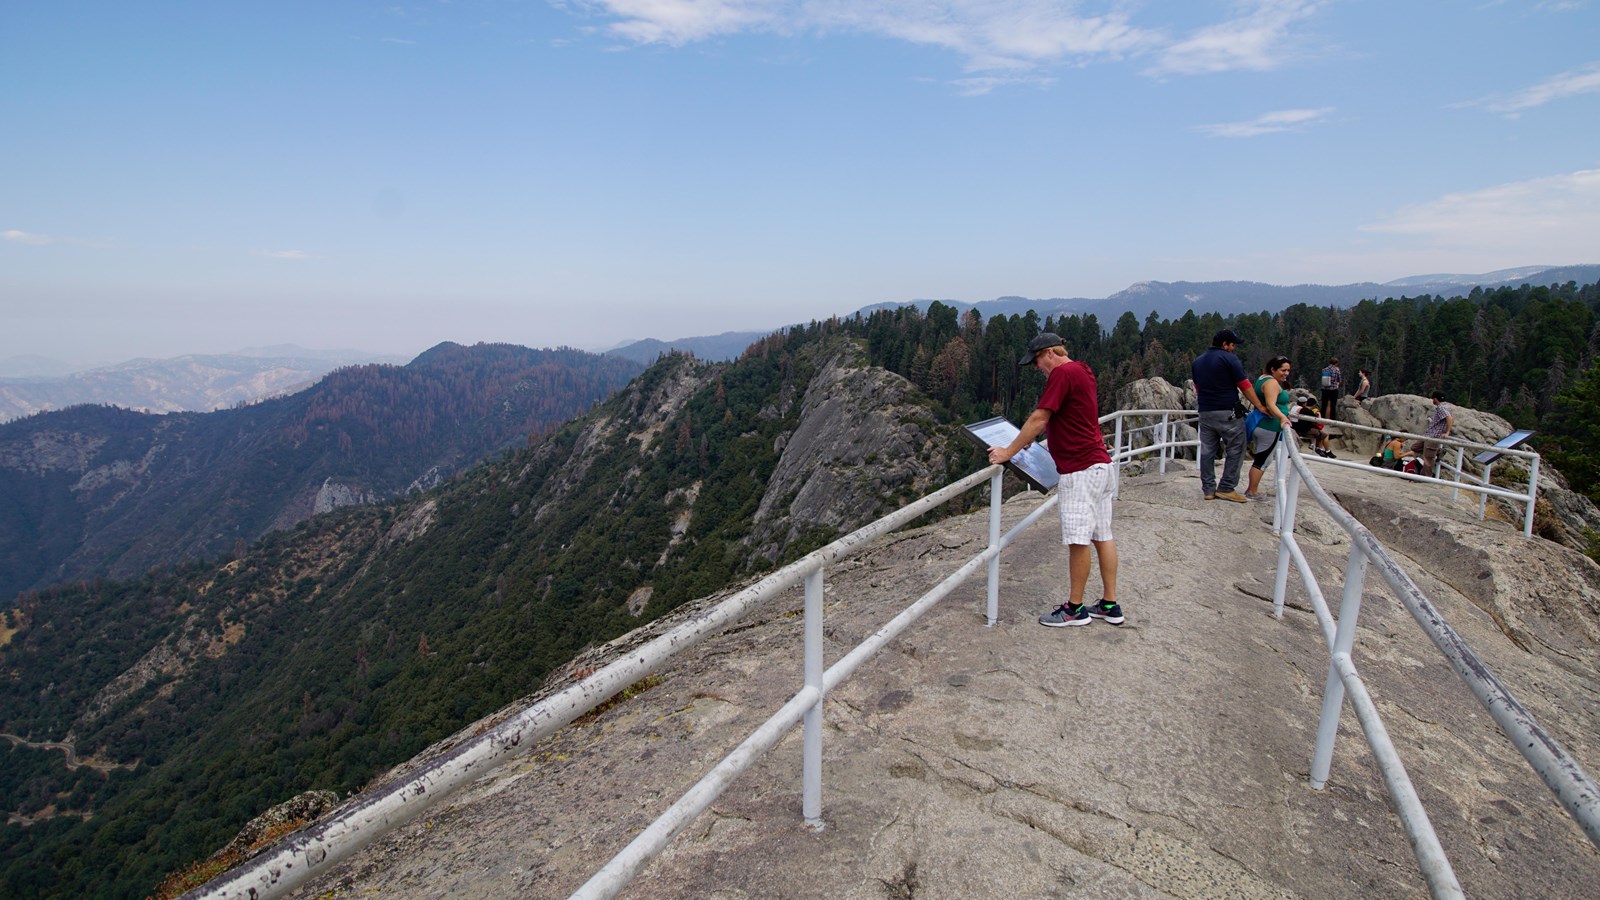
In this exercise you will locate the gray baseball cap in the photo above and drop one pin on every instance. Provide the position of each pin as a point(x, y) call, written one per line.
point(1044, 341)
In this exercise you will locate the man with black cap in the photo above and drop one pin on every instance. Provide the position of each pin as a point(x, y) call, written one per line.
point(1068, 415)
point(1219, 379)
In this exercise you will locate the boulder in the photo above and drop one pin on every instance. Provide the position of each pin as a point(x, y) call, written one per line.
point(1409, 412)
point(866, 441)
point(1156, 393)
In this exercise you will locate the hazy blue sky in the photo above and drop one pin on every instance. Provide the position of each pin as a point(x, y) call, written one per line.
point(199, 177)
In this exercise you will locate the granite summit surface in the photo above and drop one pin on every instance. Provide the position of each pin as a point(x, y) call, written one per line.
point(1167, 757)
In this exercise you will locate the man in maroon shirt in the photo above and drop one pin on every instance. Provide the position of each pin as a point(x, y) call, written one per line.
point(1068, 415)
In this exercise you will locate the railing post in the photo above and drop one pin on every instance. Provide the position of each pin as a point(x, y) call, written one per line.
point(811, 802)
point(1483, 499)
point(1283, 513)
point(1460, 460)
point(994, 541)
point(1164, 440)
point(1116, 458)
point(1533, 495)
point(1355, 575)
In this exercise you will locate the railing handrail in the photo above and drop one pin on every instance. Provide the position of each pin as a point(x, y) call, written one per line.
point(372, 814)
point(1561, 773)
point(1445, 440)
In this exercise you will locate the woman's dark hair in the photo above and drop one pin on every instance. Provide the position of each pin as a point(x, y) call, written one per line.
point(1273, 363)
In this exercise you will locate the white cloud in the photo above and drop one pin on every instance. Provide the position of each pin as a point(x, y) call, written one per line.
point(1259, 38)
point(1582, 80)
point(23, 237)
point(41, 240)
point(282, 254)
point(992, 35)
point(1555, 217)
point(1282, 120)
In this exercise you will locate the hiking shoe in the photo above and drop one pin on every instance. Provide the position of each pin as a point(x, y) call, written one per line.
point(1065, 616)
point(1254, 498)
point(1211, 496)
point(1109, 611)
point(1235, 496)
point(1329, 454)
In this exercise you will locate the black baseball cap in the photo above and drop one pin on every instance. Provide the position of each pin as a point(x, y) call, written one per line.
point(1044, 341)
point(1226, 336)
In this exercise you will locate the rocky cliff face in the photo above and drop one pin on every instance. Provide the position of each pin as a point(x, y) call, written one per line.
point(866, 441)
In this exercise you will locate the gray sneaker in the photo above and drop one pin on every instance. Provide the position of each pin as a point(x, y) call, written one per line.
point(1063, 616)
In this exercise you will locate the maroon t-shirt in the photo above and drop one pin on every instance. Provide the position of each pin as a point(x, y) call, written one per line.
point(1073, 431)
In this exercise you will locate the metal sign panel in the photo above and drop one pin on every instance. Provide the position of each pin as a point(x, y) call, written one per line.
point(1033, 462)
point(1509, 442)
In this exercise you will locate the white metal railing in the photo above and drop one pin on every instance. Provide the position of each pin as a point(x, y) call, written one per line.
point(306, 854)
point(376, 812)
point(1573, 788)
point(1479, 484)
point(806, 703)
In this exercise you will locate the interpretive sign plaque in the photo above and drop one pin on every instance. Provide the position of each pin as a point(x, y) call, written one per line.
point(1509, 442)
point(1033, 462)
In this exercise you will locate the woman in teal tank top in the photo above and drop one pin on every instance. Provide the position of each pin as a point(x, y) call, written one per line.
point(1271, 385)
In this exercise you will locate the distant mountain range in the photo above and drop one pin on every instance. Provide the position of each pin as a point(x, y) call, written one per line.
point(210, 382)
point(95, 490)
point(711, 348)
point(1169, 300)
point(198, 383)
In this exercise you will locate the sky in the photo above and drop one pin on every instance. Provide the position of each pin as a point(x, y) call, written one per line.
point(186, 177)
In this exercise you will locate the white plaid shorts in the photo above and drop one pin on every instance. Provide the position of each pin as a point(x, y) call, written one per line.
point(1086, 504)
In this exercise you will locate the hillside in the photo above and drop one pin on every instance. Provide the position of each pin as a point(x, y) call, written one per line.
point(98, 491)
point(327, 653)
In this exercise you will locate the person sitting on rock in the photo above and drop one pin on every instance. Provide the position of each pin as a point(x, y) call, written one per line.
point(1312, 432)
point(1395, 453)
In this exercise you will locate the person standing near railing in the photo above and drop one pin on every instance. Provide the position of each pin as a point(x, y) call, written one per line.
point(1273, 385)
point(1441, 422)
point(1068, 415)
point(1219, 379)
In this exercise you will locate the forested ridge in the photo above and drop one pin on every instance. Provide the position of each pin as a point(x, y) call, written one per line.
point(330, 652)
point(324, 654)
point(94, 490)
point(1528, 354)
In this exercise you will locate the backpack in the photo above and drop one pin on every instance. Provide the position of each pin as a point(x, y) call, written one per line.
point(1329, 382)
point(1251, 420)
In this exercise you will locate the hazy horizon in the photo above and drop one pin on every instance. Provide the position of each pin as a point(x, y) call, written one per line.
point(386, 176)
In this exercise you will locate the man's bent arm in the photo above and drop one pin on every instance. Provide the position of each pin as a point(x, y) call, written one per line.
point(1031, 430)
